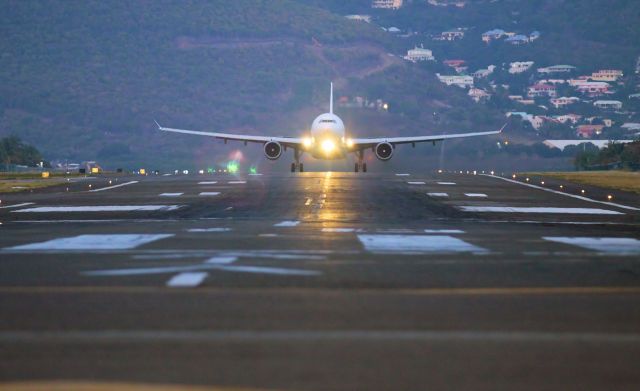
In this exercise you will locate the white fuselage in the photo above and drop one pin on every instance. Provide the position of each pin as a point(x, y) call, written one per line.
point(327, 139)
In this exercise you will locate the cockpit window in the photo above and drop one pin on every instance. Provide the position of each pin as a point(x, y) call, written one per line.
point(330, 121)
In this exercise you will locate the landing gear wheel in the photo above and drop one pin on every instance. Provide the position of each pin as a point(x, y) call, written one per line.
point(293, 167)
point(364, 167)
point(357, 168)
point(301, 167)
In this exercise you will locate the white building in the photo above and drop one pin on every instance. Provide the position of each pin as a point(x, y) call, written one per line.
point(607, 75)
point(520, 66)
point(458, 81)
point(608, 104)
point(478, 94)
point(564, 101)
point(362, 18)
point(387, 4)
point(557, 69)
point(482, 73)
point(419, 54)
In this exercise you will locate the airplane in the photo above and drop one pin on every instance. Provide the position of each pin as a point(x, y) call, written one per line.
point(328, 140)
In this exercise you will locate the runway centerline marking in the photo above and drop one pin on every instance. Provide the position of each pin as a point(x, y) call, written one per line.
point(170, 194)
point(604, 245)
point(187, 280)
point(446, 183)
point(535, 209)
point(402, 174)
point(17, 205)
point(94, 242)
point(236, 182)
point(476, 195)
point(338, 230)
point(214, 229)
point(563, 193)
point(287, 223)
point(207, 182)
point(98, 208)
point(209, 193)
point(416, 244)
point(416, 183)
point(444, 231)
point(438, 195)
point(221, 260)
point(113, 187)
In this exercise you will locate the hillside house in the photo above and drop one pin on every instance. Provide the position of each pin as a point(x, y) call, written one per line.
point(520, 66)
point(518, 39)
point(608, 104)
point(568, 118)
point(361, 18)
point(520, 99)
point(458, 81)
point(458, 65)
point(492, 35)
point(588, 131)
point(447, 3)
point(564, 101)
point(607, 75)
point(419, 54)
point(542, 90)
point(478, 94)
point(534, 35)
point(452, 35)
point(386, 4)
point(482, 73)
point(557, 69)
point(593, 88)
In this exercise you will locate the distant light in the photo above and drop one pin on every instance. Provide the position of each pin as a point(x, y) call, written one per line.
point(201, 172)
point(328, 146)
point(185, 172)
point(542, 183)
point(89, 186)
point(253, 170)
point(492, 173)
point(609, 197)
point(210, 170)
point(143, 171)
point(439, 171)
point(232, 167)
point(385, 106)
point(176, 172)
point(109, 182)
point(582, 191)
point(562, 187)
point(513, 176)
point(506, 143)
point(527, 179)
point(474, 172)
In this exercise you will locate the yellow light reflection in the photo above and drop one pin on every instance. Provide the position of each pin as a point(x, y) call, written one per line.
point(328, 146)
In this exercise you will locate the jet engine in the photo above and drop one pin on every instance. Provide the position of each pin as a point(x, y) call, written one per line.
point(272, 149)
point(384, 151)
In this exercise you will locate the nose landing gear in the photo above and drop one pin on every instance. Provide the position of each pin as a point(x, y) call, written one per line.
point(361, 165)
point(297, 165)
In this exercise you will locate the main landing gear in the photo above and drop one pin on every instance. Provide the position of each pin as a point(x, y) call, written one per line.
point(297, 165)
point(361, 165)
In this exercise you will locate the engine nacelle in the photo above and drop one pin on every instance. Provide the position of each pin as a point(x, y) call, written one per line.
point(384, 151)
point(272, 149)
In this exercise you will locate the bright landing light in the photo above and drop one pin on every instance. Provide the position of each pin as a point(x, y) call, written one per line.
point(307, 142)
point(328, 146)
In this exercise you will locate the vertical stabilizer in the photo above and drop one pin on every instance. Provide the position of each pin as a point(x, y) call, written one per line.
point(331, 100)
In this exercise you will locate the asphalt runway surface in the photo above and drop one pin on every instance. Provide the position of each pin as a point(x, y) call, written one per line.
point(322, 281)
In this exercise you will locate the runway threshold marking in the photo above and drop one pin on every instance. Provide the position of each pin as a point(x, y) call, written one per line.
point(563, 193)
point(536, 209)
point(113, 187)
point(94, 242)
point(16, 205)
point(197, 336)
point(187, 280)
point(604, 245)
point(417, 244)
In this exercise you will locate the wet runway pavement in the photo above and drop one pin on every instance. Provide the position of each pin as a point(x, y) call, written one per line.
point(322, 281)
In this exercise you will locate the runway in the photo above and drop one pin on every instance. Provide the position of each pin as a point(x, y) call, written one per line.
point(322, 281)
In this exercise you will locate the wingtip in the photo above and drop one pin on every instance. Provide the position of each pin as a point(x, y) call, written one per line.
point(157, 124)
point(503, 127)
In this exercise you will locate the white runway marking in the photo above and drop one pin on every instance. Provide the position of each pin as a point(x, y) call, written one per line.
point(534, 209)
point(167, 174)
point(221, 260)
point(257, 174)
point(287, 223)
point(236, 182)
point(402, 174)
point(416, 244)
point(113, 187)
point(216, 229)
point(268, 235)
point(476, 195)
point(416, 183)
point(187, 280)
point(443, 231)
point(16, 205)
point(271, 270)
point(603, 245)
point(209, 193)
point(563, 193)
point(170, 194)
point(338, 230)
point(438, 195)
point(208, 183)
point(98, 208)
point(200, 267)
point(446, 183)
point(308, 201)
point(94, 242)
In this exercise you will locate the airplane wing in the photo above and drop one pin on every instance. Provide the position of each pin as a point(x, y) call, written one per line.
point(289, 141)
point(369, 142)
